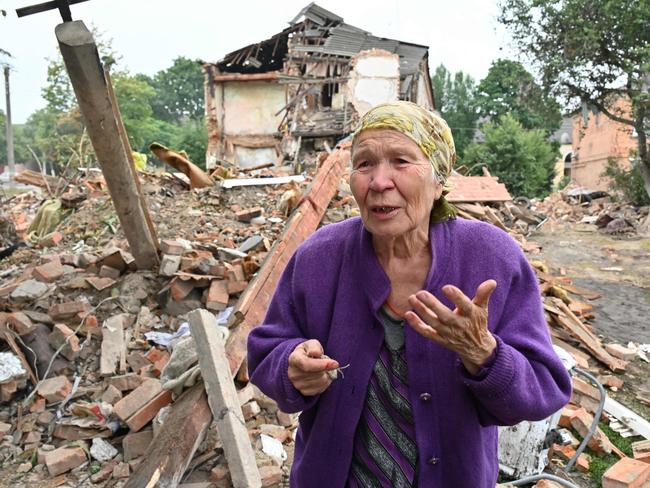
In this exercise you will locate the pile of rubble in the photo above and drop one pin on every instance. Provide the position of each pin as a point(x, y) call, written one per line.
point(593, 209)
point(100, 374)
point(98, 354)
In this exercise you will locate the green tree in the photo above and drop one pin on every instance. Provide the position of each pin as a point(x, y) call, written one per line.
point(179, 91)
point(522, 159)
point(454, 97)
point(592, 53)
point(509, 88)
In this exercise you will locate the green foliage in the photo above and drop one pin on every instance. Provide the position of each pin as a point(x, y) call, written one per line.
point(179, 91)
point(599, 464)
point(522, 159)
point(590, 52)
point(193, 139)
point(627, 183)
point(455, 101)
point(134, 98)
point(509, 89)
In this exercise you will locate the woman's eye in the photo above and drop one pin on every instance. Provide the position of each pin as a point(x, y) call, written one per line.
point(362, 165)
point(402, 162)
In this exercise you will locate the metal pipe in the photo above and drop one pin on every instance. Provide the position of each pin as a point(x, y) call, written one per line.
point(533, 479)
point(594, 424)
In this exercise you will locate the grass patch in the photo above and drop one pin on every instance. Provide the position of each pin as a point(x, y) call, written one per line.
point(598, 465)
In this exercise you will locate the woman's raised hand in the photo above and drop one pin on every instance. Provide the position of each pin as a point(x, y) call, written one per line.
point(463, 330)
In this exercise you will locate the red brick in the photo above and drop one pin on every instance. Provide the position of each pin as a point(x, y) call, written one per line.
point(247, 214)
point(108, 272)
point(62, 334)
point(7, 390)
point(67, 310)
point(599, 442)
point(55, 389)
point(99, 283)
point(235, 287)
point(136, 444)
point(179, 289)
point(217, 296)
point(121, 470)
point(143, 416)
point(250, 409)
point(271, 475)
point(582, 387)
point(111, 395)
point(20, 322)
point(159, 358)
point(547, 484)
point(64, 459)
point(32, 437)
point(235, 272)
point(126, 382)
point(104, 473)
point(627, 473)
point(38, 405)
point(137, 399)
point(611, 381)
point(49, 272)
point(50, 240)
point(168, 246)
point(136, 361)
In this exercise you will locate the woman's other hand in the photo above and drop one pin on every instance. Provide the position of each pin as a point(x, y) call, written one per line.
point(463, 330)
point(308, 369)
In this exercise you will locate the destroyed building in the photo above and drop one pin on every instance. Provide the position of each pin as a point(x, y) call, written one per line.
point(306, 86)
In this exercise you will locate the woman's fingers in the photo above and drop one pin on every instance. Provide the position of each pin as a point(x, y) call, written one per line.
point(458, 298)
point(483, 293)
point(308, 368)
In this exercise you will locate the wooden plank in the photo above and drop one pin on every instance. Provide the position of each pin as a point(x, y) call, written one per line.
point(594, 347)
point(254, 301)
point(129, 152)
point(172, 449)
point(82, 62)
point(113, 346)
point(223, 400)
point(628, 417)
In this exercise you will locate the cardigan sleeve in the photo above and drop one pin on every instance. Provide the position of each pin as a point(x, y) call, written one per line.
point(271, 343)
point(525, 380)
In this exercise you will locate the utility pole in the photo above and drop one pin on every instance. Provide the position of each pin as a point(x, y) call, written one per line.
point(10, 133)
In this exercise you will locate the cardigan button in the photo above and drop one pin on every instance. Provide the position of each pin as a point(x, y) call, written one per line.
point(425, 397)
point(433, 461)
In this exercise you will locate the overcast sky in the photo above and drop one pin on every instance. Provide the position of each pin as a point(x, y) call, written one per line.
point(149, 34)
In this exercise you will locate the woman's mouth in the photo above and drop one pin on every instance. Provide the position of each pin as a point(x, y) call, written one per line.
point(384, 211)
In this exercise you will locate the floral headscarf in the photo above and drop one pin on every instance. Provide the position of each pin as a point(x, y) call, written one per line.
point(428, 130)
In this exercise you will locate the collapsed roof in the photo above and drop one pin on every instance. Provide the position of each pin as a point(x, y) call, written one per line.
point(325, 35)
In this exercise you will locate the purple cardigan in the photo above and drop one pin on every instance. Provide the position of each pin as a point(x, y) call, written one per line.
point(331, 290)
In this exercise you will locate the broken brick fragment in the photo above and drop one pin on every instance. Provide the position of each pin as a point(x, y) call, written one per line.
point(49, 272)
point(627, 473)
point(64, 459)
point(55, 389)
point(67, 310)
point(62, 334)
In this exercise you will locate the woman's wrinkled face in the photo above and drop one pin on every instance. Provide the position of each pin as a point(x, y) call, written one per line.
point(392, 182)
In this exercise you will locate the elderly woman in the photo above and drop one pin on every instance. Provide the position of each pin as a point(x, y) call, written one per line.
point(401, 295)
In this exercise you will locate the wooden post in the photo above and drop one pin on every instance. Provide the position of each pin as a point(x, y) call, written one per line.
point(222, 397)
point(11, 165)
point(173, 448)
point(82, 62)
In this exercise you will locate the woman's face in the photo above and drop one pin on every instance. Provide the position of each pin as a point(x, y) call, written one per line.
point(392, 182)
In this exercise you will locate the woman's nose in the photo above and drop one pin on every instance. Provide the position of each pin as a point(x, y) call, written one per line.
point(382, 178)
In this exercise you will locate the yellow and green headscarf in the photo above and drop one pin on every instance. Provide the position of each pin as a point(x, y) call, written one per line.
point(431, 134)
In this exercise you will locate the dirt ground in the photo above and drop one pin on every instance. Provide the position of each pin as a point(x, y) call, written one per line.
point(618, 267)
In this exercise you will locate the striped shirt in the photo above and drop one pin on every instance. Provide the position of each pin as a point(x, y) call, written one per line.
point(385, 453)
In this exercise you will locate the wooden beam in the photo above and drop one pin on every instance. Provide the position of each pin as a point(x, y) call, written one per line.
point(82, 62)
point(254, 301)
point(223, 400)
point(172, 449)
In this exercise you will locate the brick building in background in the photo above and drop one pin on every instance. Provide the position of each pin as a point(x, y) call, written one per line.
point(596, 139)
